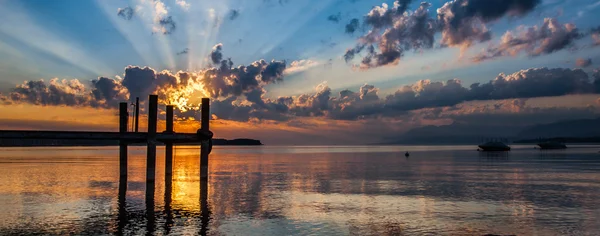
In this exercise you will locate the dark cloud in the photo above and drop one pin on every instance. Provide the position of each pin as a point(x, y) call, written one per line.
point(550, 37)
point(394, 30)
point(383, 16)
point(352, 26)
point(125, 13)
point(335, 18)
point(167, 25)
point(139, 81)
point(349, 105)
point(56, 92)
point(462, 22)
point(581, 62)
point(216, 55)
point(104, 92)
point(409, 32)
point(108, 92)
point(233, 14)
point(184, 51)
point(595, 32)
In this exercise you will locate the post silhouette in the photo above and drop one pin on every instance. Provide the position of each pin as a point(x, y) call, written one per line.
point(123, 120)
point(151, 150)
point(204, 149)
point(137, 113)
point(167, 210)
point(169, 145)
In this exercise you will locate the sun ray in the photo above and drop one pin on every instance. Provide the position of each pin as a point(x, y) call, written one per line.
point(214, 19)
point(293, 23)
point(61, 47)
point(128, 30)
point(163, 40)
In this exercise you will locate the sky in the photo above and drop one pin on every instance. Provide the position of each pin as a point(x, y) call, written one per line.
point(297, 71)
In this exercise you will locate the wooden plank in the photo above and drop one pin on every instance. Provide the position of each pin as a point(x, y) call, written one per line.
point(93, 135)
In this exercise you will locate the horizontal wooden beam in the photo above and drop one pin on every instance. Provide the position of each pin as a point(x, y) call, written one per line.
point(128, 136)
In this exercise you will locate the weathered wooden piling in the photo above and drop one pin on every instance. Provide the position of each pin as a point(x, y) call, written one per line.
point(123, 120)
point(169, 145)
point(151, 145)
point(137, 113)
point(205, 148)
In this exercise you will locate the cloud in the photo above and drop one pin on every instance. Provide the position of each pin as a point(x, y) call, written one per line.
point(335, 17)
point(299, 66)
point(530, 83)
point(125, 13)
point(164, 23)
point(409, 31)
point(583, 62)
point(352, 26)
point(595, 32)
point(184, 51)
point(167, 25)
point(108, 92)
point(394, 30)
point(233, 14)
point(183, 4)
point(65, 93)
point(216, 55)
point(463, 22)
point(550, 37)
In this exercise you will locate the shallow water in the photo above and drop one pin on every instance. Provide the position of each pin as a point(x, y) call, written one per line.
point(271, 190)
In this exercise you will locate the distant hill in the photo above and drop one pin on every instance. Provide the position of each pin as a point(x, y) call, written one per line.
point(580, 140)
point(568, 128)
point(454, 134)
point(470, 134)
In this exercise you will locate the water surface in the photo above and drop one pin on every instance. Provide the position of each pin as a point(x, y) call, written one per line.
point(272, 190)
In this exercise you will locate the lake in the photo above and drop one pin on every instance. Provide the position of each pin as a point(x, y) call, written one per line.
point(275, 190)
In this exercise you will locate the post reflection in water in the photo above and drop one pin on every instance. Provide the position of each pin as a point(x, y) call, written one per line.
point(168, 196)
point(150, 215)
point(205, 210)
point(122, 217)
point(129, 220)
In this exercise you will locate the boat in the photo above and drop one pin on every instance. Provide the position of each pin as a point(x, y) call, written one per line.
point(551, 145)
point(494, 146)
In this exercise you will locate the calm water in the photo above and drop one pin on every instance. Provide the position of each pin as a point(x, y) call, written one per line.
point(304, 191)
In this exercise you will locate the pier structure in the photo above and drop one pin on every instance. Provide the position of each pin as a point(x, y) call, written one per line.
point(169, 137)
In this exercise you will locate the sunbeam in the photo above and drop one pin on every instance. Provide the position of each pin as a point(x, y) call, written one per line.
point(130, 30)
point(151, 13)
point(61, 46)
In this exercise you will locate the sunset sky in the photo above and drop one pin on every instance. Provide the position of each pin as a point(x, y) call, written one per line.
point(300, 71)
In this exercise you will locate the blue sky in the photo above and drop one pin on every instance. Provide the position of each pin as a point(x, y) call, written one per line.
point(85, 40)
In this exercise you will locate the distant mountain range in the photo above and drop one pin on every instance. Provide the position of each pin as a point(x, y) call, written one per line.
point(568, 128)
point(472, 134)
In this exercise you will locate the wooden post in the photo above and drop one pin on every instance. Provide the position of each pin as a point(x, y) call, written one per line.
point(205, 112)
point(151, 150)
point(168, 145)
point(137, 113)
point(123, 120)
